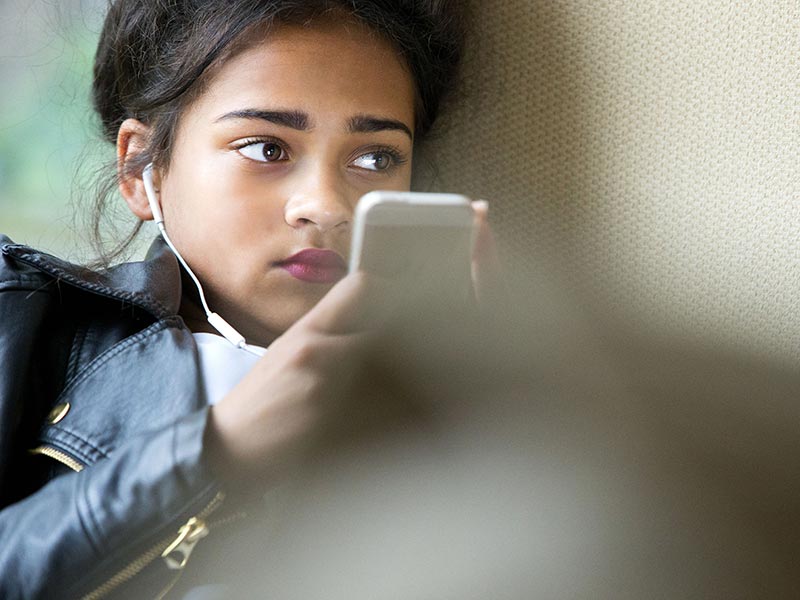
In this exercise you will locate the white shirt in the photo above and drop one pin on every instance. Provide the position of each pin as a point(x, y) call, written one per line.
point(222, 365)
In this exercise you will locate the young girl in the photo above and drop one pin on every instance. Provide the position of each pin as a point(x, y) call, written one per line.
point(253, 127)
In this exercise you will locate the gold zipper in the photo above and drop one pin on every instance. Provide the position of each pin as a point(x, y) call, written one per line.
point(194, 531)
point(161, 549)
point(62, 457)
point(176, 555)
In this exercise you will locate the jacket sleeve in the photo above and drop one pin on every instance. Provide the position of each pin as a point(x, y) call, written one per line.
point(87, 530)
point(77, 532)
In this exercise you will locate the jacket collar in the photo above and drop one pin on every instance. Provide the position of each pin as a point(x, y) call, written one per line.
point(153, 284)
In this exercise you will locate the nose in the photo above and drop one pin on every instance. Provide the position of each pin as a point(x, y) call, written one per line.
point(320, 200)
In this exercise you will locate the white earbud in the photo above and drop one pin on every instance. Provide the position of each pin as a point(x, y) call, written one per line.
point(150, 191)
point(221, 325)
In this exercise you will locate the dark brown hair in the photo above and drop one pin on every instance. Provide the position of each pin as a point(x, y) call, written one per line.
point(154, 56)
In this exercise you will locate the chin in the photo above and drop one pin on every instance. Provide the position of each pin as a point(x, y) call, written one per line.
point(277, 323)
point(281, 308)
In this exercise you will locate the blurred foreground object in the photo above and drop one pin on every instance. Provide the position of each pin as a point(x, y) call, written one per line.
point(550, 465)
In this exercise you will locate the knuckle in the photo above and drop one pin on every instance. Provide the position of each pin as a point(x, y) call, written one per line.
point(306, 353)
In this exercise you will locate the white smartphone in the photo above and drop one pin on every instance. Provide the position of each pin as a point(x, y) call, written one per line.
point(425, 238)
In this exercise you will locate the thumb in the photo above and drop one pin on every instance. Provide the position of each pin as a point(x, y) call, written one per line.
point(359, 301)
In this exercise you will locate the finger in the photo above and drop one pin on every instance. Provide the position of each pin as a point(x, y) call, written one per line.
point(359, 301)
point(344, 352)
point(487, 276)
point(484, 248)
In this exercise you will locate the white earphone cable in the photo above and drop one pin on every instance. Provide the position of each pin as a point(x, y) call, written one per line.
point(217, 322)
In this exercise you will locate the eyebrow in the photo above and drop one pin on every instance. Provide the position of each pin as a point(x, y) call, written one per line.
point(288, 118)
point(300, 121)
point(368, 124)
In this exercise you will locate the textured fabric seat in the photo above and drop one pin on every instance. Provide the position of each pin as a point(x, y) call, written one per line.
point(650, 152)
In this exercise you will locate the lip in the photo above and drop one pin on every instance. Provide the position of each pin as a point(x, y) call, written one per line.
point(315, 265)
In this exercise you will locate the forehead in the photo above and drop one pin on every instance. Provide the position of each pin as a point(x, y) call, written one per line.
point(331, 69)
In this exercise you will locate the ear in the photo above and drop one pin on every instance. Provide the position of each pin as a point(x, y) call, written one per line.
point(132, 141)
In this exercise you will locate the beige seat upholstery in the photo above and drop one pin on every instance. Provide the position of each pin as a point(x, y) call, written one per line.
point(651, 152)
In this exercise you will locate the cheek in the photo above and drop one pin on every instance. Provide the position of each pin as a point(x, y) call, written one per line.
point(401, 181)
point(227, 207)
point(407, 175)
point(248, 209)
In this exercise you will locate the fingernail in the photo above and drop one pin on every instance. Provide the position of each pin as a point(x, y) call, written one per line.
point(481, 206)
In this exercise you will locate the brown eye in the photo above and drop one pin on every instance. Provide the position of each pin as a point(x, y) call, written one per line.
point(272, 152)
point(264, 151)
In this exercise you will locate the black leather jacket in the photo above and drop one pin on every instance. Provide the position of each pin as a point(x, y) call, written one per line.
point(101, 428)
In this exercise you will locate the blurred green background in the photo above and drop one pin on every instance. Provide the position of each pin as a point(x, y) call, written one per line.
point(50, 143)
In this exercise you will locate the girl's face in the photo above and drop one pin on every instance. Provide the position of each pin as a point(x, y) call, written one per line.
point(271, 160)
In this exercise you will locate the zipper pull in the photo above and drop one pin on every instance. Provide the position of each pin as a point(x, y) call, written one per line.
point(181, 547)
